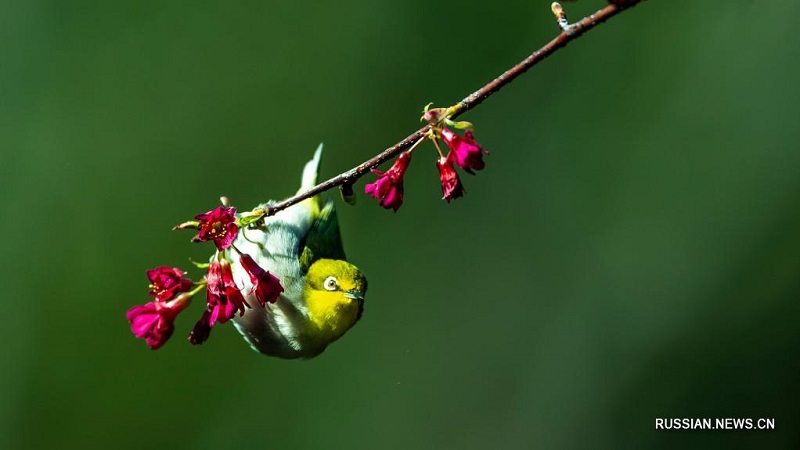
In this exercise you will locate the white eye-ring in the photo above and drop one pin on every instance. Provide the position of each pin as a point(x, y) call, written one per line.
point(331, 284)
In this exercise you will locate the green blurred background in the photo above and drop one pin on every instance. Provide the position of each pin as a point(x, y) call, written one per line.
point(631, 250)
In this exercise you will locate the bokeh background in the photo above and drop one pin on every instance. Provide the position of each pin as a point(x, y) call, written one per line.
point(631, 250)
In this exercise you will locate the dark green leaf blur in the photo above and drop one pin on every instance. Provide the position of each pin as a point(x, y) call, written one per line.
point(630, 252)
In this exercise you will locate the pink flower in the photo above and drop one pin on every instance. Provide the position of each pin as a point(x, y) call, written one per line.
point(222, 295)
point(266, 286)
point(388, 188)
point(202, 329)
point(218, 225)
point(451, 184)
point(155, 321)
point(468, 154)
point(165, 282)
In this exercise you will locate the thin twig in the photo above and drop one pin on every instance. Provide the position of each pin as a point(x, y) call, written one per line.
point(571, 33)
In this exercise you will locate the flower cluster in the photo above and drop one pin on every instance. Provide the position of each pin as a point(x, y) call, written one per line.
point(463, 152)
point(155, 321)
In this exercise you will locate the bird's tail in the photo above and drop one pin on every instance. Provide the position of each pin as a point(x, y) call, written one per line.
point(309, 180)
point(311, 171)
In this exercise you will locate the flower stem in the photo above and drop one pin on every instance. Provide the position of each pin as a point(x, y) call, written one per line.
point(436, 144)
point(416, 144)
point(200, 286)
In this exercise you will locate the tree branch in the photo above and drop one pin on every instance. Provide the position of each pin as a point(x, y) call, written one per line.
point(569, 33)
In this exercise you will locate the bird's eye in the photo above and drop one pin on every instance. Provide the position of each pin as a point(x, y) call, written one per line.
point(331, 284)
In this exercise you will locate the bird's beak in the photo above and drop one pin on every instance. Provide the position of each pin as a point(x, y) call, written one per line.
point(355, 295)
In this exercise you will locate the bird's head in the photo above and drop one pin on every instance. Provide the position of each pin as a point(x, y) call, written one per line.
point(334, 295)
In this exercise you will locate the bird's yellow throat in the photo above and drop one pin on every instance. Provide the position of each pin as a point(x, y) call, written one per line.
point(334, 293)
point(330, 314)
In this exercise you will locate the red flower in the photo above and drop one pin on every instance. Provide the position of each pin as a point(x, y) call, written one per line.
point(468, 154)
point(155, 321)
point(223, 296)
point(451, 184)
point(389, 186)
point(165, 282)
point(266, 286)
point(218, 225)
point(202, 329)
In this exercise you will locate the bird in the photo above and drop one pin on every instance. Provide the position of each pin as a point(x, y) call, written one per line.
point(323, 294)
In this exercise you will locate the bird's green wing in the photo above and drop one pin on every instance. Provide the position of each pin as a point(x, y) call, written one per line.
point(323, 239)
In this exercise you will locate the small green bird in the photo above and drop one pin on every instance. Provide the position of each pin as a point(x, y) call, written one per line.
point(323, 293)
